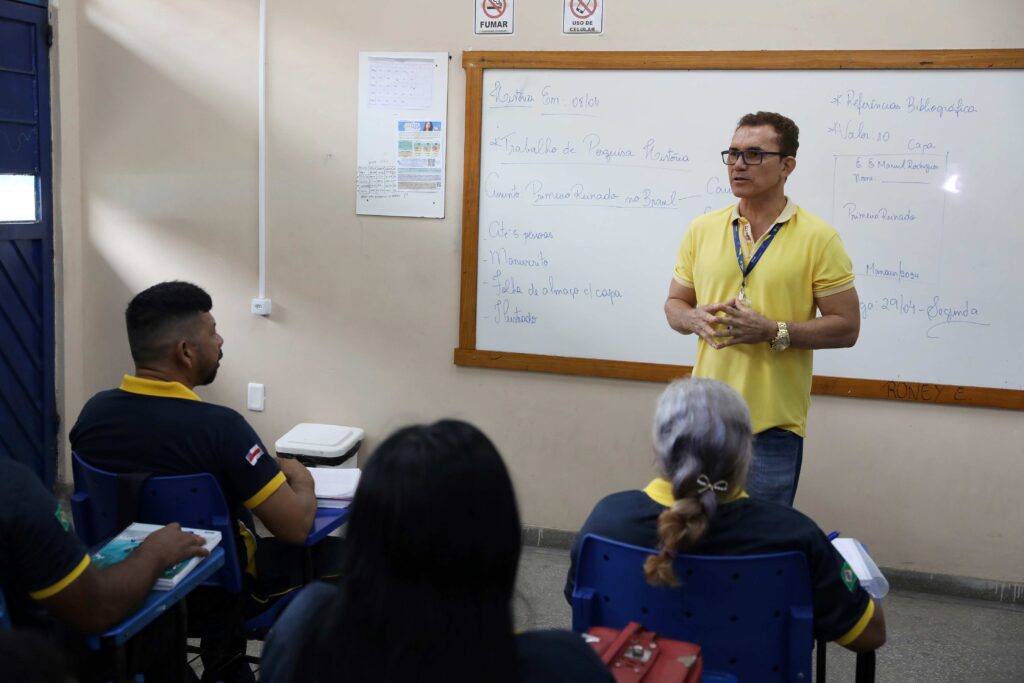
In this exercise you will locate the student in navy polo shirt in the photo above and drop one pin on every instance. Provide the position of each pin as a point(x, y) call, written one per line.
point(155, 423)
point(698, 505)
point(46, 573)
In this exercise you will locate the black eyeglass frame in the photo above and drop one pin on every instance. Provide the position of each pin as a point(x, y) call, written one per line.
point(758, 154)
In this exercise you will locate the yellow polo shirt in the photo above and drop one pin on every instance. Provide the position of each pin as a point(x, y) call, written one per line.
point(806, 260)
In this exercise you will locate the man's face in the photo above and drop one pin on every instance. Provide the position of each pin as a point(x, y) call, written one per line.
point(208, 345)
point(751, 181)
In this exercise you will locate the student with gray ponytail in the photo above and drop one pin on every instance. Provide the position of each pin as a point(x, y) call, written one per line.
point(702, 442)
point(698, 505)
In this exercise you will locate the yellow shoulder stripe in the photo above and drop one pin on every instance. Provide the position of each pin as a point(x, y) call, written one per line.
point(265, 492)
point(52, 590)
point(859, 627)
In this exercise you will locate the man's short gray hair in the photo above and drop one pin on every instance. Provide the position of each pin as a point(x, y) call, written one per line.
point(702, 426)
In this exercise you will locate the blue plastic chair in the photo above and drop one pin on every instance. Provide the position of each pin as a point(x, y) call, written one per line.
point(154, 606)
point(751, 615)
point(193, 500)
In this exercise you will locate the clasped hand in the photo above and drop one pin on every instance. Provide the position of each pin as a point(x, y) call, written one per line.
point(729, 323)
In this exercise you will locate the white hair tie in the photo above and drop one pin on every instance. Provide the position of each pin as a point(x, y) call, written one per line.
point(704, 485)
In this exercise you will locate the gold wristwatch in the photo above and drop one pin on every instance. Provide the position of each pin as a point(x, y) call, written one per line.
point(781, 341)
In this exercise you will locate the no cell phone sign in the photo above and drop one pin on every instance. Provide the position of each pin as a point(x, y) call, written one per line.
point(582, 16)
point(494, 16)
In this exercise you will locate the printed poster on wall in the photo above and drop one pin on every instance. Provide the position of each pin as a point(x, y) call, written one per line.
point(420, 166)
point(400, 153)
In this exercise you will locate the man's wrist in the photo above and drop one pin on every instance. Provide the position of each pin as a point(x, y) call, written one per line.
point(149, 553)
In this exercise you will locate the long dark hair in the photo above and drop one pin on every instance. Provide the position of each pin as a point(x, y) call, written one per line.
point(430, 565)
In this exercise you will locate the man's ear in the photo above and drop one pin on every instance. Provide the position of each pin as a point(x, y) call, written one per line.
point(788, 166)
point(183, 354)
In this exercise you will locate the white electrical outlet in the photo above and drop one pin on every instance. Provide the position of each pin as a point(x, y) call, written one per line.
point(256, 398)
point(260, 306)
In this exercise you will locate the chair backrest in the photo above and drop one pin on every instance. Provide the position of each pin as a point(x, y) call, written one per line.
point(192, 500)
point(751, 615)
point(94, 504)
point(5, 617)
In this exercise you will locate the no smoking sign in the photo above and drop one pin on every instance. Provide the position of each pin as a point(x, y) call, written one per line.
point(494, 16)
point(583, 16)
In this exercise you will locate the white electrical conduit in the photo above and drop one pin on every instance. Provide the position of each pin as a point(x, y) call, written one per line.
point(263, 155)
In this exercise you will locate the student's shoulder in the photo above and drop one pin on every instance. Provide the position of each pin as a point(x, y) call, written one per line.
point(102, 399)
point(628, 516)
point(13, 473)
point(308, 608)
point(22, 496)
point(222, 416)
point(616, 503)
point(297, 625)
point(19, 487)
point(766, 515)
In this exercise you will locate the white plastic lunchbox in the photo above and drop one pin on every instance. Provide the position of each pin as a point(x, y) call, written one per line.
point(321, 445)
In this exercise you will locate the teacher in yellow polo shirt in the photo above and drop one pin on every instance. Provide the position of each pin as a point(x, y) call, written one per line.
point(763, 283)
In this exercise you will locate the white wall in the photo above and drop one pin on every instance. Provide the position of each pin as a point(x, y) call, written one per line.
point(157, 180)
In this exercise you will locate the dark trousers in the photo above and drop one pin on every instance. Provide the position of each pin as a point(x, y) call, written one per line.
point(218, 618)
point(775, 467)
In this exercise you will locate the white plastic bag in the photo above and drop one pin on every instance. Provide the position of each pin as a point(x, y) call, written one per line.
point(863, 566)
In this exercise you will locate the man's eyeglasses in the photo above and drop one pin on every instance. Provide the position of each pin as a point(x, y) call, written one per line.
point(751, 157)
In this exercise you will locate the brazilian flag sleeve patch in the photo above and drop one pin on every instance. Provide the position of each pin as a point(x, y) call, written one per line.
point(849, 578)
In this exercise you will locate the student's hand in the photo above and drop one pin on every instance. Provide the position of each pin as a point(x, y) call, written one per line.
point(172, 545)
point(295, 473)
point(741, 324)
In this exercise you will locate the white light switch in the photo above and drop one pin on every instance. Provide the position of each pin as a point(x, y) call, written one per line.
point(256, 397)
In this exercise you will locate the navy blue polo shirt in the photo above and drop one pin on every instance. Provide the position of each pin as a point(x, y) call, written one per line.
point(742, 526)
point(163, 428)
point(39, 555)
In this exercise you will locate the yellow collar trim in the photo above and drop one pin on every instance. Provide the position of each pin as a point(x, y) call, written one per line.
point(155, 387)
point(788, 212)
point(660, 491)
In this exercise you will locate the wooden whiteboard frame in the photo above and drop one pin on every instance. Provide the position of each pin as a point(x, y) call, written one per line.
point(475, 63)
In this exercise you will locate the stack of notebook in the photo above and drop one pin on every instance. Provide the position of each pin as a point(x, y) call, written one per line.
point(334, 486)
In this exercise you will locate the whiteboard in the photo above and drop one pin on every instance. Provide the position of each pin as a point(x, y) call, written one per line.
point(588, 180)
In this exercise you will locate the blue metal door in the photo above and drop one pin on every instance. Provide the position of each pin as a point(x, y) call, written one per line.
point(28, 416)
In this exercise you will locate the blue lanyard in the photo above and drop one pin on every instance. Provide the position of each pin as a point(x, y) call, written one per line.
point(757, 255)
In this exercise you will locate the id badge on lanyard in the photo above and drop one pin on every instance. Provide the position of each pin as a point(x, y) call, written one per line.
point(745, 271)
